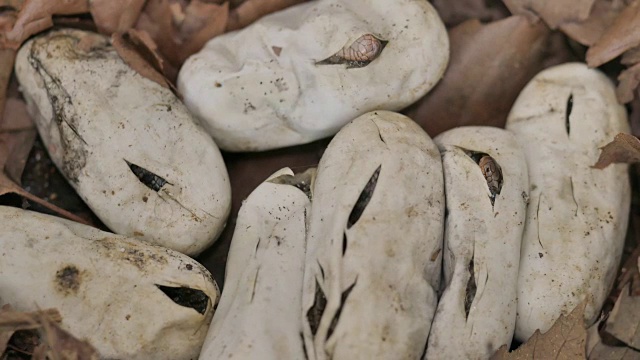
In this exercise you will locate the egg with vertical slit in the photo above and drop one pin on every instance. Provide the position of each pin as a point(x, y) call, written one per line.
point(577, 215)
point(128, 299)
point(260, 311)
point(301, 74)
point(486, 189)
point(374, 244)
point(127, 145)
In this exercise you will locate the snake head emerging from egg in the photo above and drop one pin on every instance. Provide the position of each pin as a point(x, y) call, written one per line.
point(492, 173)
point(358, 54)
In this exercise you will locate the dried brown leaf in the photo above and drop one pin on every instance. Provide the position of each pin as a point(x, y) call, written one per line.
point(624, 319)
point(603, 14)
point(15, 4)
point(202, 22)
point(566, 340)
point(251, 10)
point(56, 342)
point(139, 51)
point(629, 276)
point(621, 36)
point(553, 12)
point(12, 320)
point(628, 81)
point(624, 148)
point(5, 335)
point(179, 28)
point(113, 16)
point(15, 141)
point(7, 56)
point(598, 350)
point(453, 13)
point(17, 134)
point(631, 56)
point(36, 16)
point(63, 345)
point(489, 65)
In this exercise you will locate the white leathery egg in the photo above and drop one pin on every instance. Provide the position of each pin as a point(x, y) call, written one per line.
point(127, 145)
point(302, 73)
point(374, 242)
point(577, 215)
point(128, 299)
point(486, 187)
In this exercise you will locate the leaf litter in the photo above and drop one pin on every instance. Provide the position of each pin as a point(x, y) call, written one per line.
point(155, 37)
point(17, 131)
point(49, 342)
point(489, 65)
point(608, 27)
point(566, 339)
point(625, 148)
point(624, 320)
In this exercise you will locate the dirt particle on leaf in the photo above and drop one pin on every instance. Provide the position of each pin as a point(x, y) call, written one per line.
point(68, 280)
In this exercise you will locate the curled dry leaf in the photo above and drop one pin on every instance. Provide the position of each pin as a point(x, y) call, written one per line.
point(17, 320)
point(632, 56)
point(17, 134)
point(624, 319)
point(7, 56)
point(251, 10)
point(36, 16)
point(624, 148)
point(16, 128)
point(629, 79)
point(12, 321)
point(115, 15)
point(598, 350)
point(139, 51)
point(629, 275)
point(182, 28)
point(587, 32)
point(60, 344)
point(566, 339)
point(13, 4)
point(621, 36)
point(489, 65)
point(453, 13)
point(553, 12)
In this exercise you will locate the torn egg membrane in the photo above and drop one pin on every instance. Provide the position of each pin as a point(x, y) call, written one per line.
point(374, 243)
point(577, 215)
point(483, 231)
point(260, 311)
point(302, 73)
point(128, 299)
point(127, 145)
